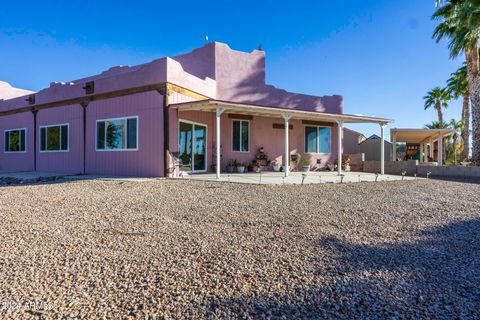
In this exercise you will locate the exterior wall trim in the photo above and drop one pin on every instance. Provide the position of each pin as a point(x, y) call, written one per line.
point(162, 87)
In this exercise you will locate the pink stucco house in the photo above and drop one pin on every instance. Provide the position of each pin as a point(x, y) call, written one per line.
point(180, 114)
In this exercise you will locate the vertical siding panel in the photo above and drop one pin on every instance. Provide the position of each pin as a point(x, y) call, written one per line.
point(63, 162)
point(149, 159)
point(17, 161)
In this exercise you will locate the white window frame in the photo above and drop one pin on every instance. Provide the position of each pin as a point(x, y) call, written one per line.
point(46, 137)
point(126, 133)
point(248, 147)
point(318, 140)
point(16, 129)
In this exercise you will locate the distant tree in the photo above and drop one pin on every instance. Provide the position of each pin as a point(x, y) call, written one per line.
point(460, 25)
point(433, 125)
point(457, 127)
point(457, 85)
point(437, 98)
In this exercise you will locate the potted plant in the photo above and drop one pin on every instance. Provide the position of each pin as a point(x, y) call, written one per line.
point(304, 162)
point(346, 163)
point(276, 166)
point(254, 166)
point(231, 166)
point(296, 158)
point(241, 167)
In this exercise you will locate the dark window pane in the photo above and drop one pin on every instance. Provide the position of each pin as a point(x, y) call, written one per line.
point(236, 136)
point(7, 141)
point(324, 140)
point(185, 146)
point(115, 134)
point(22, 140)
point(132, 133)
point(64, 137)
point(199, 147)
point(101, 135)
point(43, 138)
point(14, 145)
point(311, 139)
point(53, 138)
point(245, 136)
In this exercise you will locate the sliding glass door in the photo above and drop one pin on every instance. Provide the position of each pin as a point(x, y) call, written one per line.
point(192, 146)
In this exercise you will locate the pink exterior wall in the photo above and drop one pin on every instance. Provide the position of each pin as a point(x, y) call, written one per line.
point(240, 77)
point(148, 161)
point(262, 134)
point(17, 161)
point(70, 161)
point(350, 141)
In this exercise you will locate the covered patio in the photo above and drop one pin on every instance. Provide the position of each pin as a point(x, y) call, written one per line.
point(219, 108)
point(421, 143)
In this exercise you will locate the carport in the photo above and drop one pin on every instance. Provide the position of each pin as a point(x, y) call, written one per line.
point(424, 138)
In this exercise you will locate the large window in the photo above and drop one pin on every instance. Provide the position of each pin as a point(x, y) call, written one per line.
point(240, 135)
point(54, 138)
point(317, 140)
point(117, 134)
point(15, 140)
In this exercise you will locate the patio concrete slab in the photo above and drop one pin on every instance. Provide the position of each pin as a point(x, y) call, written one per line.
point(295, 177)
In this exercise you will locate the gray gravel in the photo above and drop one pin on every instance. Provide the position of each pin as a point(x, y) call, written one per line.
point(183, 249)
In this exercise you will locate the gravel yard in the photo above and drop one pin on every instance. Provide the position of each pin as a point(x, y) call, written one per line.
point(186, 249)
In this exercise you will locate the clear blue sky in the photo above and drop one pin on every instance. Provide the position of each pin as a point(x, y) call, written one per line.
point(378, 54)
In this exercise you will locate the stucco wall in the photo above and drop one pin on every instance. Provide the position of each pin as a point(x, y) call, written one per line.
point(392, 167)
point(17, 161)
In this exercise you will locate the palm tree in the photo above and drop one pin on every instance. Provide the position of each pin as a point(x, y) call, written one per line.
point(456, 126)
point(437, 98)
point(460, 24)
point(457, 85)
point(433, 125)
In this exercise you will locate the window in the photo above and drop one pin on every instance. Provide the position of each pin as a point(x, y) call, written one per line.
point(317, 140)
point(54, 138)
point(15, 140)
point(117, 134)
point(240, 135)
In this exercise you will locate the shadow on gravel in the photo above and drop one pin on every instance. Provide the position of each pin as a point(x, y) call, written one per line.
point(471, 180)
point(437, 277)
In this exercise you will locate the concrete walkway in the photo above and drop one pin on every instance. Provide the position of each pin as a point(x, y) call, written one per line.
point(294, 177)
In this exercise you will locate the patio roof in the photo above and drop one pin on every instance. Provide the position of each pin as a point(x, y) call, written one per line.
point(418, 135)
point(211, 105)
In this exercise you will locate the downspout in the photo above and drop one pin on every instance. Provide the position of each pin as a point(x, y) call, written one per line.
point(34, 112)
point(84, 107)
point(166, 137)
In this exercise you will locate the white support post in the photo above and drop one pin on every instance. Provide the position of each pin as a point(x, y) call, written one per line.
point(340, 146)
point(440, 150)
point(394, 146)
point(421, 152)
point(287, 117)
point(218, 113)
point(430, 151)
point(425, 153)
point(382, 148)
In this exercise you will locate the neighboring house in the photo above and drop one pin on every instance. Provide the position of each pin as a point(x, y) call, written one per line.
point(184, 113)
point(351, 141)
point(9, 92)
point(371, 148)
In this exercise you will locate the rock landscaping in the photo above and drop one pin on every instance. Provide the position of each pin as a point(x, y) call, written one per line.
point(188, 249)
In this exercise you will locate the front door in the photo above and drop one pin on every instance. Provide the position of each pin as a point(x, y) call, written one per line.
point(192, 146)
